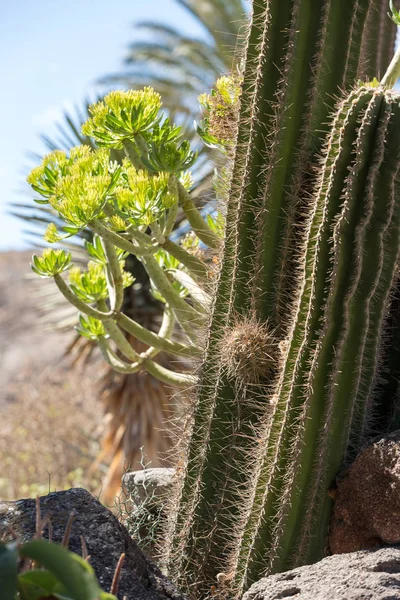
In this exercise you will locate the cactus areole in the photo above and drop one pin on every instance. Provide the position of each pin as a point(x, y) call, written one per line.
point(309, 262)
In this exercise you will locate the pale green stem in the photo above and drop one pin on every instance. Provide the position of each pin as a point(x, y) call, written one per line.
point(200, 300)
point(158, 234)
point(197, 267)
point(118, 337)
point(165, 331)
point(117, 240)
point(152, 339)
point(393, 71)
point(79, 304)
point(171, 219)
point(141, 144)
point(193, 215)
point(184, 313)
point(181, 380)
point(115, 285)
point(161, 222)
point(142, 238)
point(161, 373)
point(114, 362)
point(132, 155)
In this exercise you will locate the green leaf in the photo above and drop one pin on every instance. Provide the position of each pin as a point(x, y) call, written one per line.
point(40, 201)
point(39, 584)
point(72, 230)
point(8, 571)
point(76, 575)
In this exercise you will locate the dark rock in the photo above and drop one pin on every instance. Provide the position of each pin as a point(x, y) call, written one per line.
point(106, 539)
point(367, 505)
point(364, 575)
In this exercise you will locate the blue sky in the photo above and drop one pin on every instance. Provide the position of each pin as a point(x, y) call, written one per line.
point(52, 52)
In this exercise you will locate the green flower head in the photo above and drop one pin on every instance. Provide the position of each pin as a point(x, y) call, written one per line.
point(91, 285)
point(51, 235)
point(43, 179)
point(52, 262)
point(220, 112)
point(122, 115)
point(76, 186)
point(144, 198)
point(90, 328)
point(171, 157)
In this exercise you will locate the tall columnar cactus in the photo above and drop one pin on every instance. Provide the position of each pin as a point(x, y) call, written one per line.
point(292, 376)
point(311, 246)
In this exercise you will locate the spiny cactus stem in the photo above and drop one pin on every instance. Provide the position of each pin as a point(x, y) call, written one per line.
point(393, 72)
point(152, 339)
point(185, 314)
point(340, 305)
point(79, 304)
point(114, 277)
point(120, 242)
point(193, 215)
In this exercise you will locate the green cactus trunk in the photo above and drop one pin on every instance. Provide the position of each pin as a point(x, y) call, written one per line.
point(325, 388)
point(308, 262)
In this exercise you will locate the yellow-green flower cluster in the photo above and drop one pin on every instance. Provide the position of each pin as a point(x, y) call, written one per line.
point(76, 186)
point(186, 180)
point(122, 115)
point(80, 199)
point(91, 285)
point(51, 235)
point(90, 328)
point(52, 262)
point(144, 198)
point(171, 157)
point(220, 111)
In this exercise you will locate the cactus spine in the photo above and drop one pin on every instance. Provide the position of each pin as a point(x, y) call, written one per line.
point(309, 259)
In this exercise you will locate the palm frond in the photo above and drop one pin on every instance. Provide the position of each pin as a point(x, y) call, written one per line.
point(181, 66)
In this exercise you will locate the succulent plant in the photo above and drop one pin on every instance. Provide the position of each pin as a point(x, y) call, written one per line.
point(289, 385)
